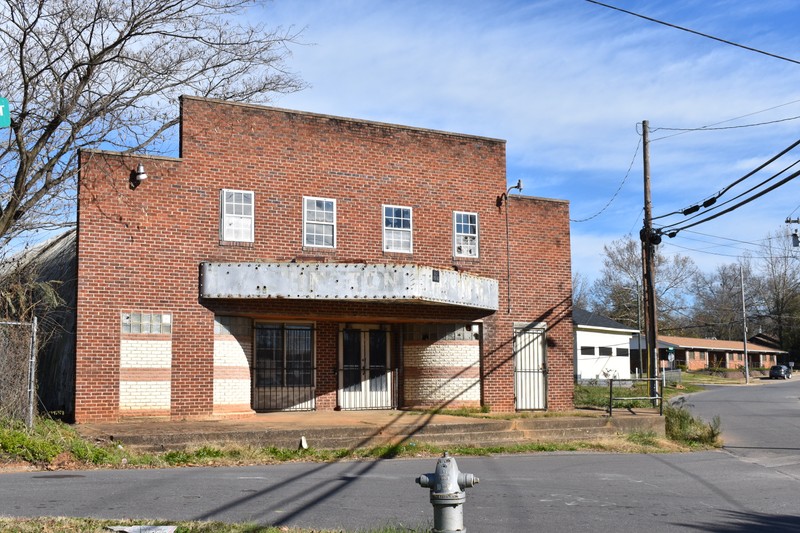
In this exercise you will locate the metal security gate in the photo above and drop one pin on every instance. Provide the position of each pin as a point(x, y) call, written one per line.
point(530, 369)
point(365, 377)
point(283, 368)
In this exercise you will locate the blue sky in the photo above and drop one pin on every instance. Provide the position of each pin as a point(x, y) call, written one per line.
point(565, 83)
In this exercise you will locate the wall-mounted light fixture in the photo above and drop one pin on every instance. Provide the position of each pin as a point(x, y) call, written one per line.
point(138, 176)
point(503, 199)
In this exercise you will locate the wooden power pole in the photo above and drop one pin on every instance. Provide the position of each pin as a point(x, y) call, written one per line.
point(649, 240)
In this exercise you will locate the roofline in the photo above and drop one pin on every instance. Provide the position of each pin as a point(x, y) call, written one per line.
point(751, 347)
point(135, 155)
point(521, 197)
point(345, 119)
point(631, 331)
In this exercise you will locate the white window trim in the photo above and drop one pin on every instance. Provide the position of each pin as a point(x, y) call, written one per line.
point(306, 221)
point(223, 216)
point(410, 230)
point(456, 235)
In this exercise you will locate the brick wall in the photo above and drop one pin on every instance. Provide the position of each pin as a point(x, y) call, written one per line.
point(232, 385)
point(141, 247)
point(144, 387)
point(442, 374)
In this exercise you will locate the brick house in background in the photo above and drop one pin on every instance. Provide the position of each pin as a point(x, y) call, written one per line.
point(289, 260)
point(699, 354)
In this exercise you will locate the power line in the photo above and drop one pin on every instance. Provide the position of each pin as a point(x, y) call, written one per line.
point(711, 127)
point(700, 251)
point(674, 230)
point(696, 32)
point(708, 202)
point(718, 254)
point(756, 243)
point(614, 196)
point(710, 245)
point(712, 200)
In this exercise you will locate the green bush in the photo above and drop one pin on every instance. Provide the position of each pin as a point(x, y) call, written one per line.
point(177, 457)
point(20, 445)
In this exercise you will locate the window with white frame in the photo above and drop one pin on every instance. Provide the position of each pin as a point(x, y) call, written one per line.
point(465, 234)
point(236, 215)
point(397, 228)
point(319, 222)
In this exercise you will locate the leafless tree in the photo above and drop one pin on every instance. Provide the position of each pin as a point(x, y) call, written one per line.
point(617, 293)
point(718, 300)
point(777, 290)
point(107, 74)
point(580, 290)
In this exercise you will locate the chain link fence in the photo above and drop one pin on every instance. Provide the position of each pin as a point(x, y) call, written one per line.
point(18, 370)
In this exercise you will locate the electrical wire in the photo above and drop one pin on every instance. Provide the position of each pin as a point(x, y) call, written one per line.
point(710, 127)
point(718, 254)
point(735, 182)
point(674, 230)
point(616, 193)
point(751, 189)
point(725, 41)
point(754, 243)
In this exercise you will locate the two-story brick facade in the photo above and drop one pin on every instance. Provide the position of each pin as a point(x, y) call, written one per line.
point(289, 260)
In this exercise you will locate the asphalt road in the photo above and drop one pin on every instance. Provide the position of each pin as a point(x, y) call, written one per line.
point(760, 422)
point(736, 490)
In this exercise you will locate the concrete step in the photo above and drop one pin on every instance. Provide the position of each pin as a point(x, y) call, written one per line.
point(462, 434)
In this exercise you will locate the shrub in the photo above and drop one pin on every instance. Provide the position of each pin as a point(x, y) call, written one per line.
point(681, 426)
point(16, 441)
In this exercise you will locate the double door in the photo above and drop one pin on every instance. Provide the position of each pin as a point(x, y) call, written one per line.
point(365, 376)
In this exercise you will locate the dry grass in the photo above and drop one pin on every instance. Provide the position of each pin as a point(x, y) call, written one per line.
point(90, 525)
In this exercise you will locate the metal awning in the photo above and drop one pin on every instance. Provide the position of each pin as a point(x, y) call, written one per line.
point(347, 281)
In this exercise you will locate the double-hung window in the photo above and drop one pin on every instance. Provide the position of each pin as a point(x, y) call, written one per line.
point(465, 234)
point(397, 229)
point(319, 222)
point(236, 215)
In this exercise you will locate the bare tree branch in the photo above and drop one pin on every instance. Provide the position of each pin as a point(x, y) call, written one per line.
point(107, 74)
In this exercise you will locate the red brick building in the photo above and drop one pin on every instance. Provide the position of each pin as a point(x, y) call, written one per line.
point(289, 260)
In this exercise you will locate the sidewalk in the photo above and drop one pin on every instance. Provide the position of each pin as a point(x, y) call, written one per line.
point(359, 429)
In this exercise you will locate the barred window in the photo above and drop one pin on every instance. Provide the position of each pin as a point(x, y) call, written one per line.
point(284, 355)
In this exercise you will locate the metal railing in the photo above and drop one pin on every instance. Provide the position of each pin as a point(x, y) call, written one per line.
point(658, 398)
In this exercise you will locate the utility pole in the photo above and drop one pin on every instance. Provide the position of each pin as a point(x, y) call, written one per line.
point(744, 330)
point(649, 240)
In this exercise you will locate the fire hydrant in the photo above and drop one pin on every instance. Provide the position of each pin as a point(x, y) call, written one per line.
point(447, 486)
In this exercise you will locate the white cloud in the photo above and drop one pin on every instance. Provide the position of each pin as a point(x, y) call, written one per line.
point(565, 83)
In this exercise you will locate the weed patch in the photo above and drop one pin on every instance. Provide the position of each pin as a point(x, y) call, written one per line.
point(682, 427)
